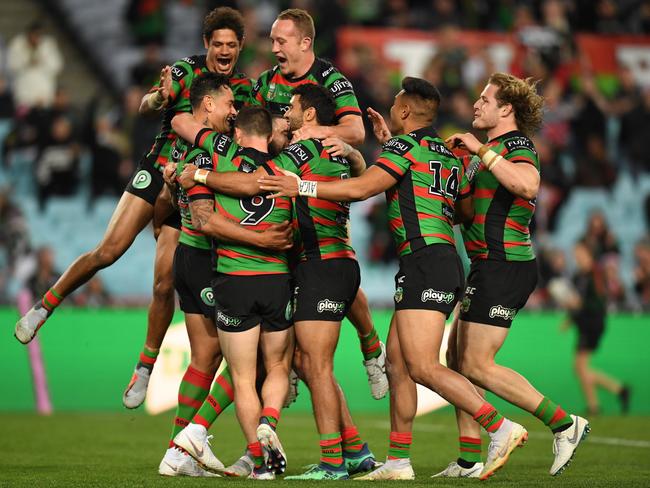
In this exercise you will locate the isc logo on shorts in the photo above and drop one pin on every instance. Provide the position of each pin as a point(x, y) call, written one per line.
point(328, 305)
point(141, 180)
point(438, 296)
point(502, 312)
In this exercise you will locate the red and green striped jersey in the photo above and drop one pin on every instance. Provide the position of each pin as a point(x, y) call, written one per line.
point(256, 213)
point(182, 153)
point(183, 73)
point(499, 229)
point(273, 89)
point(429, 181)
point(322, 225)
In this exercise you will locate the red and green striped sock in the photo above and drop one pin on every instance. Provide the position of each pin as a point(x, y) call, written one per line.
point(400, 445)
point(470, 449)
point(370, 345)
point(351, 441)
point(255, 448)
point(553, 416)
point(220, 397)
point(331, 454)
point(488, 417)
point(270, 416)
point(51, 300)
point(193, 390)
point(148, 358)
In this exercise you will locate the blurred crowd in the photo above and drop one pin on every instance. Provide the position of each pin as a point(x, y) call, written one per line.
point(594, 126)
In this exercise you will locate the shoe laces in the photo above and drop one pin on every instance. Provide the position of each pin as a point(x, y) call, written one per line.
point(557, 440)
point(207, 440)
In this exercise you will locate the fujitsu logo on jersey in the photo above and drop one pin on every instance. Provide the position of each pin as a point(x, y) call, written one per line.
point(297, 153)
point(502, 312)
point(204, 162)
point(340, 87)
point(397, 146)
point(188, 60)
point(519, 143)
point(328, 305)
point(177, 72)
point(438, 296)
point(177, 154)
point(220, 143)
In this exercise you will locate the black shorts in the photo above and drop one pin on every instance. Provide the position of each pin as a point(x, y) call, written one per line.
point(497, 290)
point(429, 279)
point(192, 279)
point(174, 220)
point(325, 289)
point(242, 302)
point(590, 329)
point(147, 181)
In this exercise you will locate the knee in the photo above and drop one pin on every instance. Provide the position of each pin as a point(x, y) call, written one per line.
point(315, 368)
point(163, 286)
point(204, 361)
point(472, 369)
point(105, 255)
point(422, 372)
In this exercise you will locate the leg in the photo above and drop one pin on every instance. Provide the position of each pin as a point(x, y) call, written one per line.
point(240, 351)
point(130, 216)
point(468, 464)
point(373, 349)
point(586, 378)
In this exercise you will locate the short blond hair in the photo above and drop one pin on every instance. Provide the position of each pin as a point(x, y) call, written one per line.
point(522, 95)
point(302, 20)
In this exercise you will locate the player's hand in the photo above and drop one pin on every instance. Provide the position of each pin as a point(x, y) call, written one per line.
point(467, 141)
point(169, 174)
point(379, 126)
point(277, 237)
point(186, 178)
point(336, 147)
point(310, 132)
point(165, 84)
point(281, 186)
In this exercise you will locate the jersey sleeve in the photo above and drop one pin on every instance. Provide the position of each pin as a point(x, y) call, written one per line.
point(294, 158)
point(242, 88)
point(521, 150)
point(182, 74)
point(218, 146)
point(202, 160)
point(464, 189)
point(396, 157)
point(343, 93)
point(260, 88)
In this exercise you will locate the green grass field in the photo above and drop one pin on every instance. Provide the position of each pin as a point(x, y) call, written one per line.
point(124, 449)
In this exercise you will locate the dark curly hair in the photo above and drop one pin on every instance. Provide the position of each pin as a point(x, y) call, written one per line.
point(522, 95)
point(224, 18)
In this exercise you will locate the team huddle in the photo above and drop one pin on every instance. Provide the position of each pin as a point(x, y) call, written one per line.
point(248, 186)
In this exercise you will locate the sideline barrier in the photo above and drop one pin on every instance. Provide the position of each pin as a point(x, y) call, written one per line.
point(89, 357)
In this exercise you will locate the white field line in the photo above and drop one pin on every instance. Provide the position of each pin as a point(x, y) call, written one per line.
point(592, 439)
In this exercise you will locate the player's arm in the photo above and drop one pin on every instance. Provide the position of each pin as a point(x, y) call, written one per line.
point(278, 237)
point(187, 127)
point(158, 97)
point(337, 147)
point(464, 204)
point(521, 180)
point(231, 183)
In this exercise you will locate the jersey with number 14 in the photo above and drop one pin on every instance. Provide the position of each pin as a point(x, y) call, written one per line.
point(183, 74)
point(256, 213)
point(429, 181)
point(322, 225)
point(273, 89)
point(499, 230)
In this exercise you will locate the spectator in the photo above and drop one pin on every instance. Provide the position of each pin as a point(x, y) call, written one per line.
point(94, 295)
point(44, 275)
point(34, 62)
point(599, 238)
point(642, 273)
point(588, 312)
point(593, 166)
point(58, 162)
point(147, 21)
point(147, 71)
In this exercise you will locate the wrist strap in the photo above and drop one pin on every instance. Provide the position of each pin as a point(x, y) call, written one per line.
point(201, 176)
point(307, 188)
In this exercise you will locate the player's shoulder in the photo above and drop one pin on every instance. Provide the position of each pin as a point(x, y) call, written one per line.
point(399, 145)
point(429, 139)
point(188, 64)
point(240, 79)
point(223, 144)
point(302, 152)
point(265, 78)
point(516, 141)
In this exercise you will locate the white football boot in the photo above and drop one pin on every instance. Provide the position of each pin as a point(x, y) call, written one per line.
point(177, 463)
point(195, 440)
point(376, 371)
point(566, 442)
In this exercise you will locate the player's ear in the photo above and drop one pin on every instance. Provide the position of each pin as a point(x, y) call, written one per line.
point(306, 43)
point(309, 114)
point(405, 111)
point(506, 109)
point(237, 135)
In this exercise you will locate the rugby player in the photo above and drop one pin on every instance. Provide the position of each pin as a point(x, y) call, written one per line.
point(211, 100)
point(426, 190)
point(292, 36)
point(503, 272)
